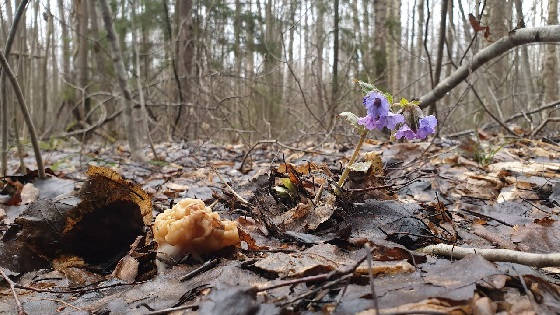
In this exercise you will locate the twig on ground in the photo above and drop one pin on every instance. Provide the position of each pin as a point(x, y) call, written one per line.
point(76, 290)
point(284, 146)
point(487, 217)
point(172, 309)
point(236, 195)
point(63, 302)
point(318, 195)
point(528, 292)
point(13, 286)
point(321, 277)
point(317, 289)
point(493, 254)
point(371, 285)
point(205, 267)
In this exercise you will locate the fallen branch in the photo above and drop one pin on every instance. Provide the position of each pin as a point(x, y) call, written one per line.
point(322, 277)
point(519, 37)
point(512, 118)
point(543, 124)
point(19, 307)
point(495, 254)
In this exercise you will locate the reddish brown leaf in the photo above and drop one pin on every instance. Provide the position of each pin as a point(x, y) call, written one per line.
point(477, 27)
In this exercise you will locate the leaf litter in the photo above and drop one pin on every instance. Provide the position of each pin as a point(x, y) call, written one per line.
point(82, 240)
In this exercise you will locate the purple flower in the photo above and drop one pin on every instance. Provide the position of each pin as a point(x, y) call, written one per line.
point(371, 123)
point(426, 126)
point(376, 104)
point(378, 114)
point(393, 120)
point(405, 131)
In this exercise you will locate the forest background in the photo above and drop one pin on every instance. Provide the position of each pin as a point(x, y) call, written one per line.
point(243, 71)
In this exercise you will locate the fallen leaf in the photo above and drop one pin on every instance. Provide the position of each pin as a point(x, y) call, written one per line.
point(177, 187)
point(29, 194)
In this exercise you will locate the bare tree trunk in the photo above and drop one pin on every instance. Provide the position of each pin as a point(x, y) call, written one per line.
point(306, 46)
point(359, 49)
point(550, 66)
point(272, 70)
point(450, 43)
point(365, 41)
point(44, 84)
point(334, 91)
point(419, 50)
point(118, 64)
point(83, 44)
point(379, 44)
point(184, 52)
point(144, 113)
point(237, 58)
point(320, 38)
point(25, 112)
point(527, 76)
point(497, 11)
point(34, 68)
point(392, 50)
point(441, 41)
point(14, 21)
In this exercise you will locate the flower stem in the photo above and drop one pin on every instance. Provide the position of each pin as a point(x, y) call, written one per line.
point(352, 159)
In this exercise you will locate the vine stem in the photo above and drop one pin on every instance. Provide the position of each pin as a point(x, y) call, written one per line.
point(352, 159)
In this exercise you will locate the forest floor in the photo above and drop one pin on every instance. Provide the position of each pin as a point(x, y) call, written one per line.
point(69, 242)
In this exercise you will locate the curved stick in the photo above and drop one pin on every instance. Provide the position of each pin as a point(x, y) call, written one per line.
point(516, 38)
point(28, 121)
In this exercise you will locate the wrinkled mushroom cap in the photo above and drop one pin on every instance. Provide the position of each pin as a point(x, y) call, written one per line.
point(192, 227)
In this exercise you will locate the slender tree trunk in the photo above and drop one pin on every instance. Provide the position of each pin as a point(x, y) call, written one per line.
point(44, 84)
point(334, 93)
point(14, 22)
point(144, 112)
point(306, 46)
point(25, 112)
point(54, 64)
point(320, 24)
point(441, 41)
point(418, 65)
point(392, 50)
point(527, 76)
point(365, 39)
point(497, 19)
point(120, 71)
point(83, 45)
point(272, 70)
point(237, 57)
point(184, 52)
point(356, 30)
point(379, 44)
point(550, 66)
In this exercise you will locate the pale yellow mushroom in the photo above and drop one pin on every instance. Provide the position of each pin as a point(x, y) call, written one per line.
point(191, 227)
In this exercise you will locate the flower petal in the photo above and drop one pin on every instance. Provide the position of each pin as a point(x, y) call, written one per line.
point(394, 119)
point(426, 126)
point(406, 132)
point(376, 104)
